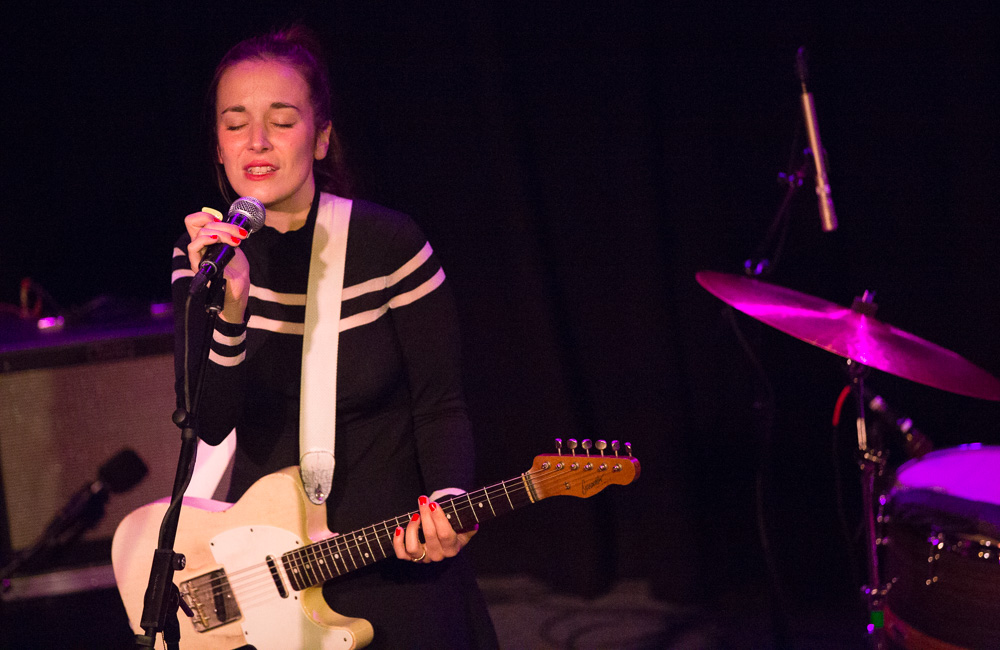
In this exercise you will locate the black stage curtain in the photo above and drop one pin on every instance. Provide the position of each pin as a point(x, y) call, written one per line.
point(575, 164)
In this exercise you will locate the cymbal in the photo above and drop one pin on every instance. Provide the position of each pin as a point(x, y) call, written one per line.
point(852, 334)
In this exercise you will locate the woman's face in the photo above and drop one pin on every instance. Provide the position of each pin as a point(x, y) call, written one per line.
point(267, 135)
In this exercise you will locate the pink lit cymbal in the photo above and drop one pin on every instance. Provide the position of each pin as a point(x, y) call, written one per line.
point(852, 334)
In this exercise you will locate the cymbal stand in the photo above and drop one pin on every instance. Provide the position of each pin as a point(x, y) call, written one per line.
point(871, 461)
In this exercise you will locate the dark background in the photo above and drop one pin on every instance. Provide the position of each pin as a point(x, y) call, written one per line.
point(574, 165)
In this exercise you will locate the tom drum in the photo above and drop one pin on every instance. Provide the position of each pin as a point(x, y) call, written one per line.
point(942, 564)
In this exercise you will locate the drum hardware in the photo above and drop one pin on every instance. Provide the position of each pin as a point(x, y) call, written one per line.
point(872, 465)
point(965, 546)
point(934, 554)
point(855, 334)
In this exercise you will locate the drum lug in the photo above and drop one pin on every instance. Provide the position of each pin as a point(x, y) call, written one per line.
point(936, 543)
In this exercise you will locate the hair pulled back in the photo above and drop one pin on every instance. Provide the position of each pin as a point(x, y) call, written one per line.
point(298, 47)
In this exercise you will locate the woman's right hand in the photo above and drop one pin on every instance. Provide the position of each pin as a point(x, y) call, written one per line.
point(206, 229)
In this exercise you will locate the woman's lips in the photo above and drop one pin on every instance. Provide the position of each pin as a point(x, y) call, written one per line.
point(258, 172)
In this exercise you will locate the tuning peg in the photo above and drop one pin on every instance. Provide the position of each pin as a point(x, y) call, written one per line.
point(616, 446)
point(587, 444)
point(601, 446)
point(628, 448)
point(559, 446)
point(571, 443)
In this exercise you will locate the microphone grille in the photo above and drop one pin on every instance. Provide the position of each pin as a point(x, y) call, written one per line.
point(123, 471)
point(801, 68)
point(251, 209)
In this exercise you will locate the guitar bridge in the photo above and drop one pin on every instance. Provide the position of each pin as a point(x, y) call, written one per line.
point(211, 600)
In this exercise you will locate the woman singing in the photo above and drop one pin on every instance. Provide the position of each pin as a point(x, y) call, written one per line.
point(402, 433)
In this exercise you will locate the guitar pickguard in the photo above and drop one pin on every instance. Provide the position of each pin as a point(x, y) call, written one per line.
point(268, 619)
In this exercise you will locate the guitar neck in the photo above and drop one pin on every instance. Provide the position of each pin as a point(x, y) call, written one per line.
point(550, 475)
point(339, 555)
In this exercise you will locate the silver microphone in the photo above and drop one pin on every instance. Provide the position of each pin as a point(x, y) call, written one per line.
point(827, 215)
point(247, 213)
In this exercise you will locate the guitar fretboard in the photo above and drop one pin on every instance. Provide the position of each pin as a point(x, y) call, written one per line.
point(339, 555)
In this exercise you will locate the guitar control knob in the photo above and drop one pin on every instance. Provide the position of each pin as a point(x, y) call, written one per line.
point(601, 446)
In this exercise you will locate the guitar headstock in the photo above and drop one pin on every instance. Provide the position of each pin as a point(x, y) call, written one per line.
point(581, 473)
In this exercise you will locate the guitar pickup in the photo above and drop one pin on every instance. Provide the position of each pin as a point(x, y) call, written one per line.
point(211, 600)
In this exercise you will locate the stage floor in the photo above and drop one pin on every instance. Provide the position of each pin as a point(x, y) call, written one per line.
point(527, 614)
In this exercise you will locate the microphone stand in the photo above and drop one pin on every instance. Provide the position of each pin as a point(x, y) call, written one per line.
point(162, 598)
point(760, 266)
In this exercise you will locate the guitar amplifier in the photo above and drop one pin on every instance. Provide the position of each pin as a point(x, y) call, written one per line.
point(70, 399)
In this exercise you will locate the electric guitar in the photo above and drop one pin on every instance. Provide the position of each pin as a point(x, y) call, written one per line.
point(254, 569)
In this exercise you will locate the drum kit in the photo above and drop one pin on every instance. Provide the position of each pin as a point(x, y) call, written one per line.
point(931, 533)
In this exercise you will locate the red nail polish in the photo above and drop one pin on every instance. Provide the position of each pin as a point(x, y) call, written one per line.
point(235, 241)
point(213, 236)
point(243, 233)
point(399, 531)
point(422, 501)
point(415, 517)
point(434, 507)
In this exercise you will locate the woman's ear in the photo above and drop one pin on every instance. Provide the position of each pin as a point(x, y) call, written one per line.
point(323, 141)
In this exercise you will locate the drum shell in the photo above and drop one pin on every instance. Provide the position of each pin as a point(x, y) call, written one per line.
point(941, 553)
point(941, 586)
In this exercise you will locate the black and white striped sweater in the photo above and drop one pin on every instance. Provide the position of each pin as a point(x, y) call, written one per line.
point(402, 427)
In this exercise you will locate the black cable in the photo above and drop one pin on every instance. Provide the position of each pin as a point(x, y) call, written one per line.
point(766, 409)
point(838, 486)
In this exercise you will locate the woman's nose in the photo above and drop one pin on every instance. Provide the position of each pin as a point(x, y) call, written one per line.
point(258, 138)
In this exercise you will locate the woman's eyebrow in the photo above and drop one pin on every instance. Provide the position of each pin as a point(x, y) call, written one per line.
point(242, 109)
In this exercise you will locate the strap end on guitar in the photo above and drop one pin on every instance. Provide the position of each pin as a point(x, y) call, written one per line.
point(316, 470)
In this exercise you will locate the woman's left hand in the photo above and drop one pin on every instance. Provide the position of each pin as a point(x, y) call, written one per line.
point(440, 539)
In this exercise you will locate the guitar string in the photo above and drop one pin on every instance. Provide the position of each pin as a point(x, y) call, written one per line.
point(243, 579)
point(255, 580)
point(261, 589)
point(360, 537)
point(258, 579)
point(265, 579)
point(343, 542)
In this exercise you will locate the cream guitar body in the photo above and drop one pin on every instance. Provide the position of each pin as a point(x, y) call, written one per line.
point(273, 517)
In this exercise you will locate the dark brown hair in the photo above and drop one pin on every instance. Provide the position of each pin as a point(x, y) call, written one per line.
point(298, 47)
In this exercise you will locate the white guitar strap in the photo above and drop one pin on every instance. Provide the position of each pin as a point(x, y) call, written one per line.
point(318, 399)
